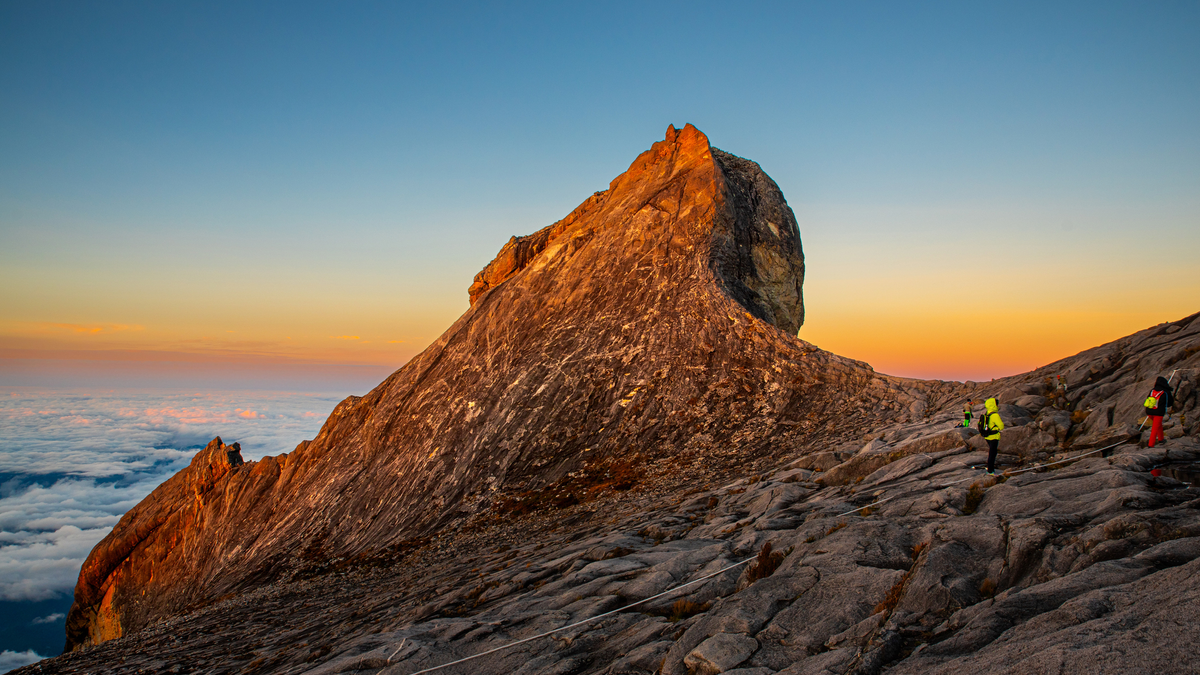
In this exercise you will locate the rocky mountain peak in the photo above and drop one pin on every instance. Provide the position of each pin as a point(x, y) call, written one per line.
point(679, 151)
point(624, 425)
point(752, 236)
point(650, 331)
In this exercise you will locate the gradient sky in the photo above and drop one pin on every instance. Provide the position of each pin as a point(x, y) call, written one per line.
point(981, 188)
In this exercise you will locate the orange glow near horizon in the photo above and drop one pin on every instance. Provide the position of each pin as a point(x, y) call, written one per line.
point(958, 347)
point(905, 305)
point(925, 344)
point(250, 345)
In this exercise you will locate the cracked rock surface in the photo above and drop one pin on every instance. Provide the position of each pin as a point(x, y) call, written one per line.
point(624, 411)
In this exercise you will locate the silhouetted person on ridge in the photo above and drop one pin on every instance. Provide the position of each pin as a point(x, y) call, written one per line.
point(1156, 407)
point(990, 426)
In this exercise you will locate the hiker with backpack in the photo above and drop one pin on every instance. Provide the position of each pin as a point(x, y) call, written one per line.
point(990, 426)
point(1156, 404)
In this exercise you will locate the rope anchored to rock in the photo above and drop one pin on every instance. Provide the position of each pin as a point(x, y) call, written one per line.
point(577, 623)
point(1006, 474)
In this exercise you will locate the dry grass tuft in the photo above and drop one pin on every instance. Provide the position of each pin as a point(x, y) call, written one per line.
point(974, 497)
point(765, 565)
point(683, 609)
point(889, 602)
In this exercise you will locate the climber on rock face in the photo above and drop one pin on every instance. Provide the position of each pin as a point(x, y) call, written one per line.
point(990, 426)
point(1156, 407)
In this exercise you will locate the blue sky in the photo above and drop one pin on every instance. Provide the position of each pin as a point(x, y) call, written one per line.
point(223, 178)
point(240, 195)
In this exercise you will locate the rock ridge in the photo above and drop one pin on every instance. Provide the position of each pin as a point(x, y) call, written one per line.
point(652, 328)
point(615, 418)
point(919, 563)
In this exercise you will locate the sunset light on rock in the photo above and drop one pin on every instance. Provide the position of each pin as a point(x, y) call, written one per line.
point(599, 339)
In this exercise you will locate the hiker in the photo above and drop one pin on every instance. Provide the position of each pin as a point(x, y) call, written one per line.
point(1060, 393)
point(967, 415)
point(990, 426)
point(1156, 407)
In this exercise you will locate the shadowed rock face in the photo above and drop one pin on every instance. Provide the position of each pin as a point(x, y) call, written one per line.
point(651, 328)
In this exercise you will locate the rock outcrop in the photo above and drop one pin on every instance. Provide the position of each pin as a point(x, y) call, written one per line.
point(651, 330)
point(623, 410)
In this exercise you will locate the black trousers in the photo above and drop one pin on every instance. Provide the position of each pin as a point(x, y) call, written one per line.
point(993, 446)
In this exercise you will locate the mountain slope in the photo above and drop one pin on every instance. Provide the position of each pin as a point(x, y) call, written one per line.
point(650, 330)
point(624, 409)
point(900, 554)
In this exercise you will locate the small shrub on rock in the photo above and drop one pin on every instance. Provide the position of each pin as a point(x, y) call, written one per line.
point(683, 609)
point(974, 496)
point(766, 563)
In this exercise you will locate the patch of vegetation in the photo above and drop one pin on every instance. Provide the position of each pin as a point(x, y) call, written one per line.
point(987, 588)
point(765, 564)
point(579, 486)
point(974, 497)
point(1079, 416)
point(835, 528)
point(892, 599)
point(896, 592)
point(555, 496)
point(683, 609)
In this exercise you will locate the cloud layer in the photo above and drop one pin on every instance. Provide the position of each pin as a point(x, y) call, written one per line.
point(10, 660)
point(71, 463)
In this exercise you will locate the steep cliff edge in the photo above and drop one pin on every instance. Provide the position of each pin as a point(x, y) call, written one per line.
point(649, 331)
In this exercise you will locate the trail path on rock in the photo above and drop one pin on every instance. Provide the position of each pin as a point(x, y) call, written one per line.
point(625, 409)
point(917, 569)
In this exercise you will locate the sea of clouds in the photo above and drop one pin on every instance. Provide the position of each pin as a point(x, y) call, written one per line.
point(72, 462)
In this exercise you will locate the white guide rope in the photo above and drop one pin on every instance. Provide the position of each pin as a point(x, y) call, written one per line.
point(577, 623)
point(725, 569)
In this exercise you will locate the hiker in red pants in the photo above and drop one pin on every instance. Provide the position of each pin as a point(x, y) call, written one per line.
point(1156, 407)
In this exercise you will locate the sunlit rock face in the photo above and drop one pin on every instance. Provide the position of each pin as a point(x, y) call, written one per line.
point(624, 416)
point(651, 329)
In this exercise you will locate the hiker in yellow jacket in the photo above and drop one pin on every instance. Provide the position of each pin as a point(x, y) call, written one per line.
point(990, 425)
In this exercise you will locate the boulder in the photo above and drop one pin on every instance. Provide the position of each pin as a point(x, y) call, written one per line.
point(1031, 404)
point(720, 653)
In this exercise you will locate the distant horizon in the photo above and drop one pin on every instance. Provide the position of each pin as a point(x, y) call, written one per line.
point(125, 371)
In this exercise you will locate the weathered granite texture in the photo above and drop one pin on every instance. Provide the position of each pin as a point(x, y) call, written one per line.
point(650, 330)
point(601, 427)
point(925, 565)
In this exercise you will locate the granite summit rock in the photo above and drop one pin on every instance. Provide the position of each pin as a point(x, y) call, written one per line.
point(652, 328)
